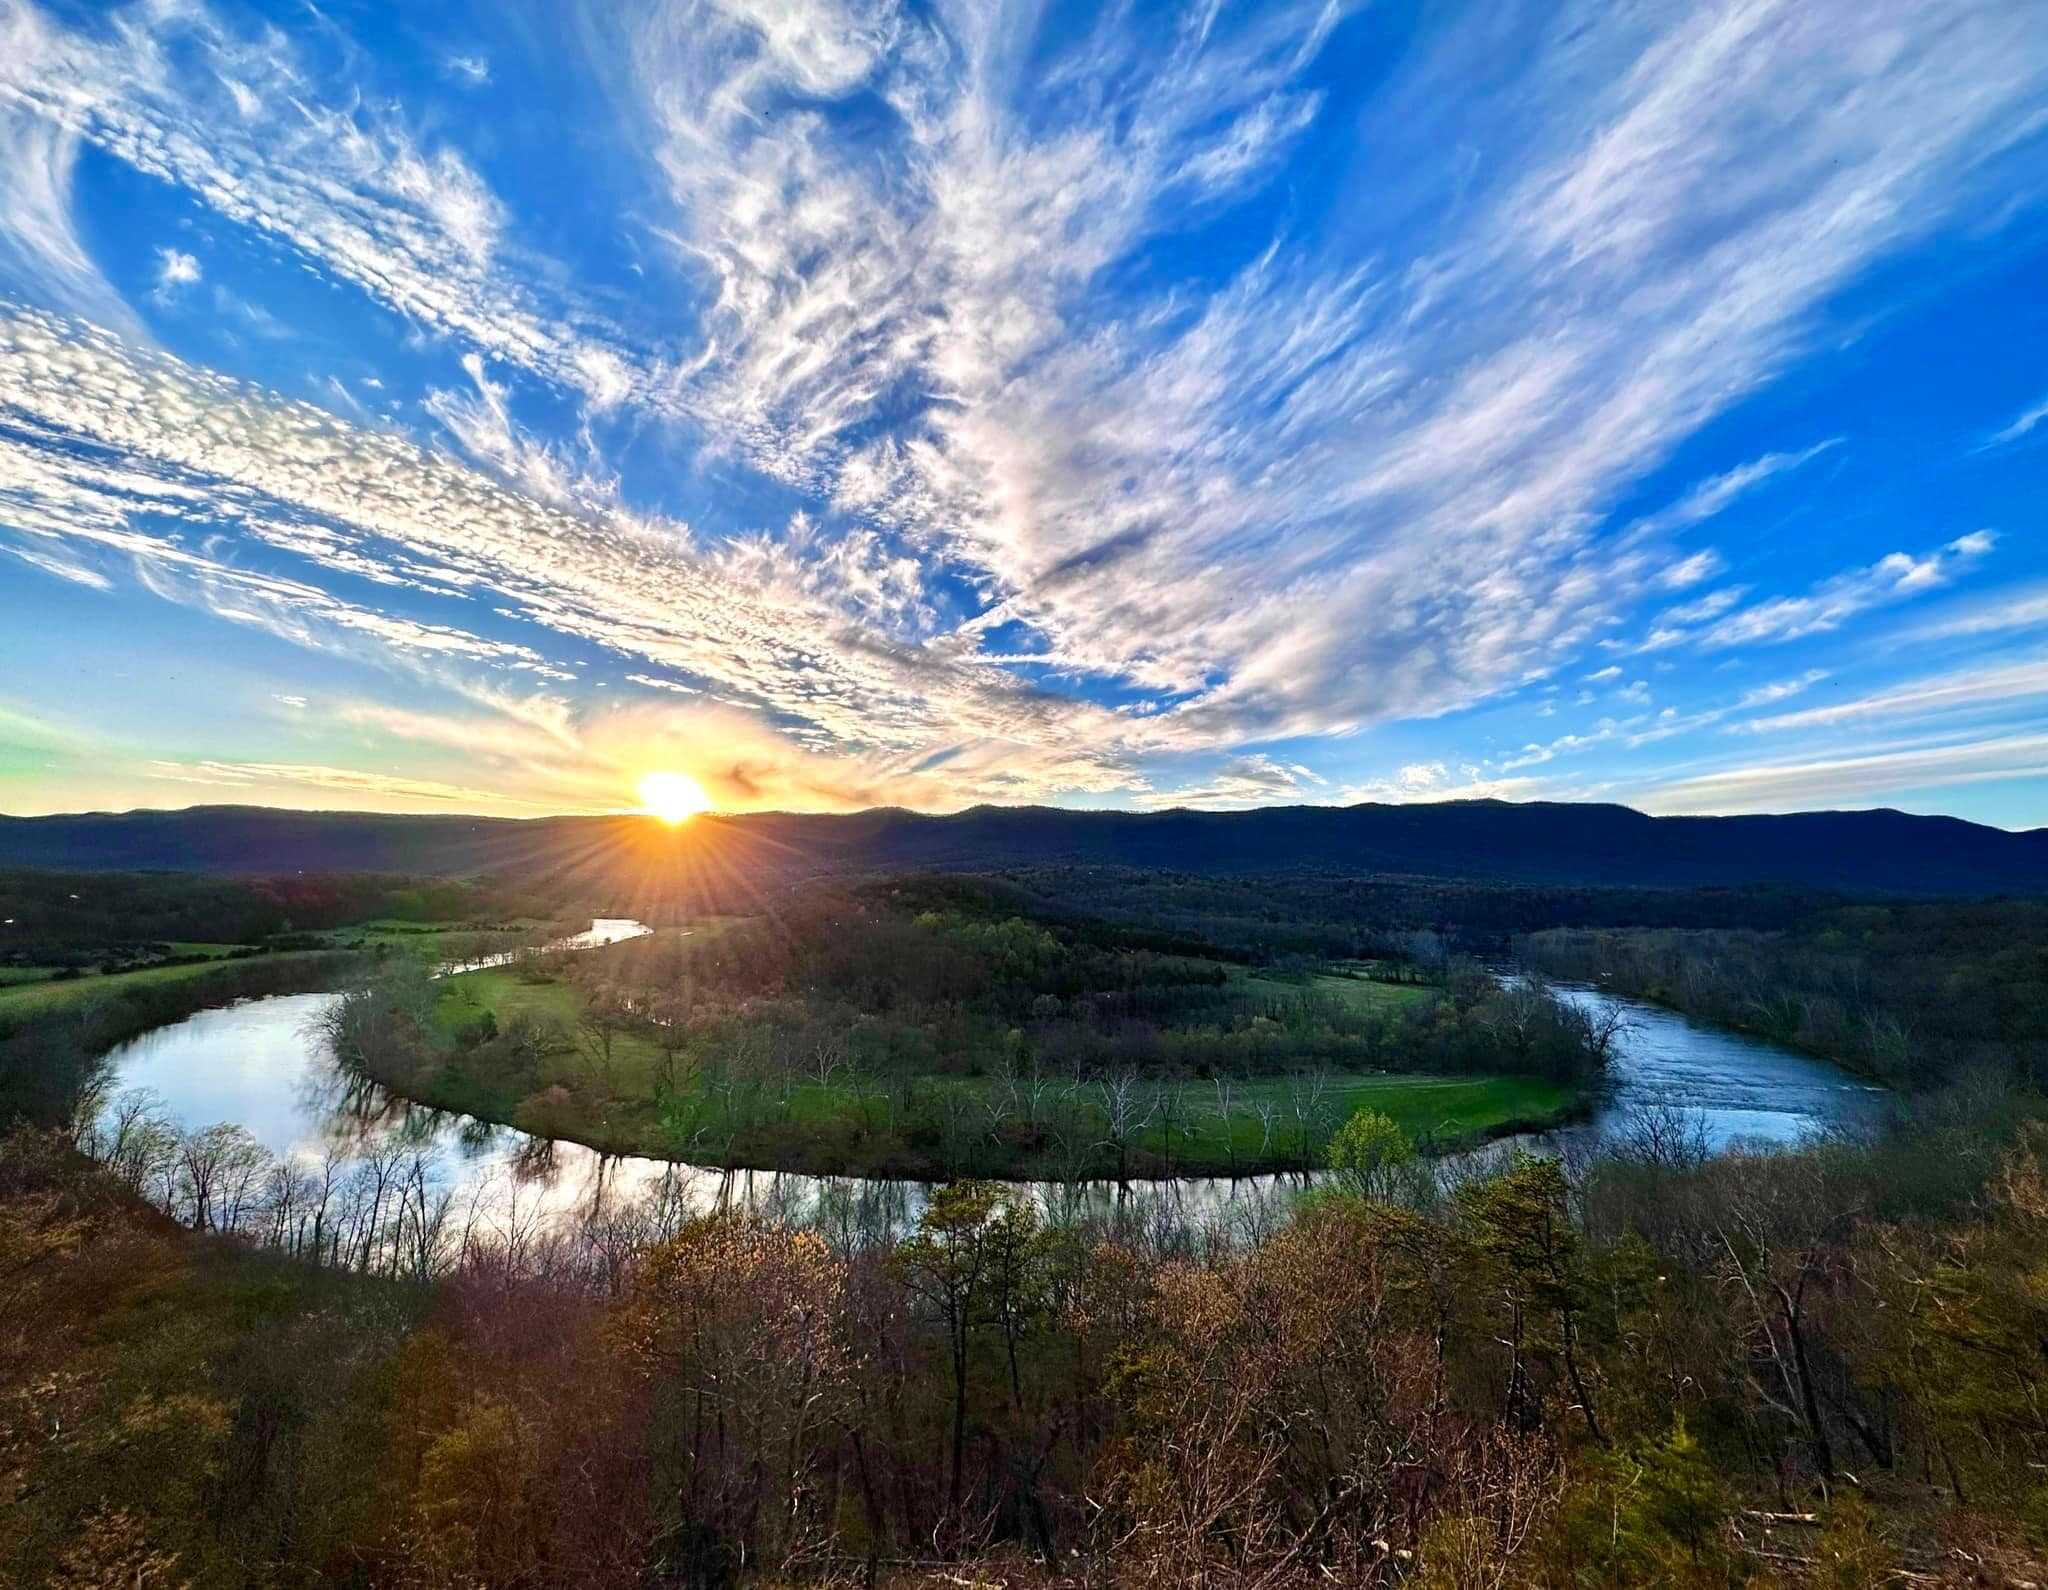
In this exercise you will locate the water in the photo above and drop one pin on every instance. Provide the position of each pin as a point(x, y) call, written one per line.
point(259, 1065)
point(1737, 1087)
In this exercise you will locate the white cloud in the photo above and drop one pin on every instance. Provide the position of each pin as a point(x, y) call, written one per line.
point(2025, 608)
point(133, 440)
point(1691, 570)
point(920, 321)
point(1709, 497)
point(62, 569)
point(1782, 689)
point(1895, 577)
point(1851, 779)
point(384, 788)
point(175, 271)
point(1256, 780)
point(1976, 689)
point(675, 686)
point(2022, 425)
point(1340, 484)
point(243, 124)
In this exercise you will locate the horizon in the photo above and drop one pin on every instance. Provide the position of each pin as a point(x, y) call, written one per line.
point(849, 405)
point(639, 815)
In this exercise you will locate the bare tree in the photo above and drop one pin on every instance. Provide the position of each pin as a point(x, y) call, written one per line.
point(1127, 1108)
point(1225, 1110)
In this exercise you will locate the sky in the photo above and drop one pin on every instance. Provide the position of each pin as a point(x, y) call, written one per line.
point(856, 403)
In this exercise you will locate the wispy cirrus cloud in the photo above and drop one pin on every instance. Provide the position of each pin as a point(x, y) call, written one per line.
point(1710, 497)
point(1099, 434)
point(242, 122)
point(127, 442)
point(1452, 430)
point(1850, 779)
point(302, 777)
point(2022, 425)
point(1896, 577)
point(2025, 608)
point(1967, 690)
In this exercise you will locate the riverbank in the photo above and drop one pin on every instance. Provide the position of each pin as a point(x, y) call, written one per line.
point(620, 1092)
point(55, 1036)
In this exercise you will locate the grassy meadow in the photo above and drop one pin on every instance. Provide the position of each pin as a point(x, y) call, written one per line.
point(626, 1086)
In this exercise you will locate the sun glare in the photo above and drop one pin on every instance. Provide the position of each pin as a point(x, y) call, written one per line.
point(673, 797)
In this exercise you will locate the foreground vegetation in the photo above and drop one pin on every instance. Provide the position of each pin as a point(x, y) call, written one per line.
point(927, 1028)
point(221, 1367)
point(1816, 1368)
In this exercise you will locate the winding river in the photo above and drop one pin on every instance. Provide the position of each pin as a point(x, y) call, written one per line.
point(258, 1065)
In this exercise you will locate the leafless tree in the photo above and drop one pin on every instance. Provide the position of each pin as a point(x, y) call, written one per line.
point(1127, 1108)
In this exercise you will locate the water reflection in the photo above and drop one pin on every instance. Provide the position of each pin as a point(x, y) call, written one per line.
point(260, 1065)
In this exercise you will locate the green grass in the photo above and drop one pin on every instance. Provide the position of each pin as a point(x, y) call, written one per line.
point(47, 996)
point(1358, 992)
point(841, 1127)
point(422, 937)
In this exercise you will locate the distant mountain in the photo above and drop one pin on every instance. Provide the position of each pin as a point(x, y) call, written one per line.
point(1552, 843)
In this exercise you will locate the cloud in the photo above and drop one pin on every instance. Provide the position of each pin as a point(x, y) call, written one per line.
point(1691, 570)
point(1856, 778)
point(1256, 780)
point(2025, 608)
point(1709, 497)
point(1701, 610)
point(1344, 473)
point(1782, 689)
point(473, 71)
point(2022, 425)
point(1896, 577)
point(1977, 689)
point(62, 569)
point(245, 125)
point(789, 639)
point(383, 788)
point(175, 271)
point(929, 319)
point(41, 252)
point(674, 686)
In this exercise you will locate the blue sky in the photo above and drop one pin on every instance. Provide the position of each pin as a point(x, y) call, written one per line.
point(437, 408)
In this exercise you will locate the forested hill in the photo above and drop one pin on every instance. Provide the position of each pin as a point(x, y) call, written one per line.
point(1868, 852)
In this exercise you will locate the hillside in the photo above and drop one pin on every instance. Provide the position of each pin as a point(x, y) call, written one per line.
point(1865, 852)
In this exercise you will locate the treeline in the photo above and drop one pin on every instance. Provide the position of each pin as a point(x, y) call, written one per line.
point(1912, 993)
point(1336, 915)
point(49, 1056)
point(59, 918)
point(1816, 1367)
point(948, 976)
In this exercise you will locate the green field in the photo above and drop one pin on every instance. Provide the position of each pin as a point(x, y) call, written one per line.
point(46, 996)
point(1359, 992)
point(845, 1125)
point(423, 938)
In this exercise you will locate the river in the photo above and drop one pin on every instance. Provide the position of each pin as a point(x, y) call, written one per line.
point(259, 1065)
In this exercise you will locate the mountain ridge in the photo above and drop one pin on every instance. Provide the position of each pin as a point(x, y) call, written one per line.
point(1870, 852)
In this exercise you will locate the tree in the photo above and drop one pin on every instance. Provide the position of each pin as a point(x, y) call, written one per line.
point(1522, 1230)
point(1369, 1154)
point(1126, 1109)
point(604, 1021)
point(966, 1253)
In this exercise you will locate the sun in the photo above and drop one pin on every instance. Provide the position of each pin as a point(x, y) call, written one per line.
point(673, 797)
